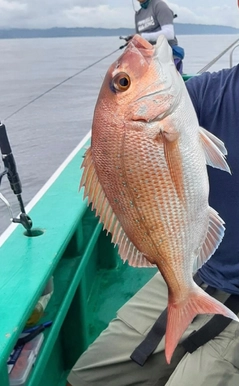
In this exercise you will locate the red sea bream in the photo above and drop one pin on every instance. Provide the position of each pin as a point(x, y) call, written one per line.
point(145, 174)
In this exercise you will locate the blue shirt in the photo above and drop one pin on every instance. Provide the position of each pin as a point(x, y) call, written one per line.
point(216, 100)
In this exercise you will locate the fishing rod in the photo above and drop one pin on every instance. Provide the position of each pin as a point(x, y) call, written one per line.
point(127, 39)
point(9, 161)
point(62, 82)
point(14, 180)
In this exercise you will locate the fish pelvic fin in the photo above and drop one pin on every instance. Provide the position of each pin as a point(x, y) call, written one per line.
point(212, 240)
point(214, 150)
point(181, 314)
point(94, 192)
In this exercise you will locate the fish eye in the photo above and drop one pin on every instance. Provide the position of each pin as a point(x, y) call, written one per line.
point(121, 82)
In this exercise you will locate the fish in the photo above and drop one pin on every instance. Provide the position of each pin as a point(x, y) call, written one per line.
point(145, 175)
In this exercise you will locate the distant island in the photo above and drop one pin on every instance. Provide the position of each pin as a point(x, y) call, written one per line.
point(180, 29)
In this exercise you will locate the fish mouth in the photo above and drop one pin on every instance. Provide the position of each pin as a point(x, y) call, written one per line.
point(140, 42)
point(162, 88)
point(168, 77)
point(141, 45)
point(162, 46)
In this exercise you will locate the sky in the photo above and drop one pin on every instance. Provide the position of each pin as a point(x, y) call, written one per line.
point(109, 13)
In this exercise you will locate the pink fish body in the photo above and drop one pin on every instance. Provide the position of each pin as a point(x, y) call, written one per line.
point(145, 174)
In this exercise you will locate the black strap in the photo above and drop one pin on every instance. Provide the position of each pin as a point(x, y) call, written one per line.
point(149, 344)
point(157, 332)
point(155, 335)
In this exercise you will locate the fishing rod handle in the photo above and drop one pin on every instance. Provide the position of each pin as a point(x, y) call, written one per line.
point(13, 177)
point(4, 142)
point(9, 161)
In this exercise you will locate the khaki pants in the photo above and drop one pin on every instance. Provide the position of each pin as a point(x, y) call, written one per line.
point(107, 361)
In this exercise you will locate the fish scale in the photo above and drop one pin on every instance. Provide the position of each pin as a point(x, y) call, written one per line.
point(145, 175)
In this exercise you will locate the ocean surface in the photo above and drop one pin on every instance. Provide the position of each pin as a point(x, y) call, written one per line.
point(44, 133)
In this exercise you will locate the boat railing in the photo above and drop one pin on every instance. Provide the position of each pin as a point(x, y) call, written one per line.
point(90, 281)
point(231, 55)
point(64, 243)
point(232, 46)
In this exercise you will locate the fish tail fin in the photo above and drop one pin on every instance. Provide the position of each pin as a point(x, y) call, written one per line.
point(181, 314)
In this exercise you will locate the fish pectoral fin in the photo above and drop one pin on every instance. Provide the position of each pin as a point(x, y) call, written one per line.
point(174, 161)
point(181, 314)
point(96, 196)
point(214, 150)
point(213, 238)
point(215, 140)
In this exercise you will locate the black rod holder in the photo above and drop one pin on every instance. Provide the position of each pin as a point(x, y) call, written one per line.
point(13, 177)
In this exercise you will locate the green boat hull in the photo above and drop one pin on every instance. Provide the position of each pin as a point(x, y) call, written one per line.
point(90, 280)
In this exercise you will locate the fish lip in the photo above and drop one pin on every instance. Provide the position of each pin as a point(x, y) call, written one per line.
point(163, 43)
point(143, 47)
point(161, 60)
point(150, 53)
point(139, 42)
point(160, 41)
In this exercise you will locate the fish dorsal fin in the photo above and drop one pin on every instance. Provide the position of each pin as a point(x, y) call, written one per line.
point(213, 238)
point(96, 196)
point(214, 150)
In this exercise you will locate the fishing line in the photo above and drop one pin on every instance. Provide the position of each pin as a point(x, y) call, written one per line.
point(59, 84)
point(133, 5)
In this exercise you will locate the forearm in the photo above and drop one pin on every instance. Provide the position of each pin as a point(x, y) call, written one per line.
point(167, 31)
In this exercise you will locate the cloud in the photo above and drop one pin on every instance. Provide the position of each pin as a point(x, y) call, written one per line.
point(219, 14)
point(64, 13)
point(106, 13)
point(101, 16)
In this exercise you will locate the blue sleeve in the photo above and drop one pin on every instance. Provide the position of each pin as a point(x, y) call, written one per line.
point(214, 96)
point(193, 87)
point(196, 87)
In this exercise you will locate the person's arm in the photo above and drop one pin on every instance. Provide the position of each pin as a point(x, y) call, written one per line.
point(164, 16)
point(166, 30)
point(213, 95)
point(194, 89)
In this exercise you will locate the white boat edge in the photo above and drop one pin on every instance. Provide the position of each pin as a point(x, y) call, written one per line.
point(4, 236)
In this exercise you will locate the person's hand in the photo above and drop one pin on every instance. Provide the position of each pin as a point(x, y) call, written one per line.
point(128, 38)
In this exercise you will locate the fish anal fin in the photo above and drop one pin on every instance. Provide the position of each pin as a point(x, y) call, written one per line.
point(96, 196)
point(181, 314)
point(214, 150)
point(212, 240)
